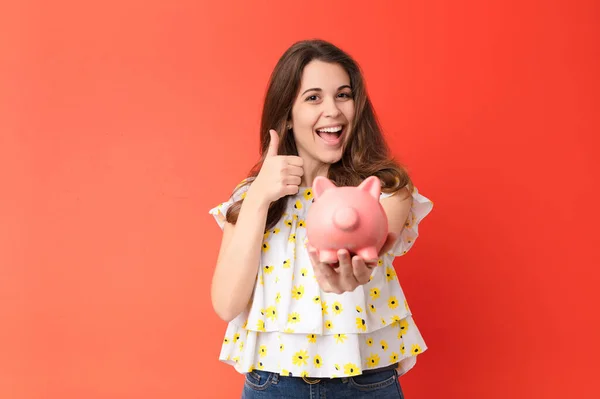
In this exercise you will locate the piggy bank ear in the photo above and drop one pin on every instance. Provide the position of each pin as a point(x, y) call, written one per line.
point(320, 184)
point(372, 185)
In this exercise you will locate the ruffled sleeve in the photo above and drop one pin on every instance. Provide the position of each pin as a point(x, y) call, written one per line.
point(220, 211)
point(420, 208)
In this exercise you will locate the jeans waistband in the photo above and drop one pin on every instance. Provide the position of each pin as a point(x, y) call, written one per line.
point(386, 368)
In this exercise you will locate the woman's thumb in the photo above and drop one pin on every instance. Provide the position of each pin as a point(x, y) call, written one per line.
point(273, 144)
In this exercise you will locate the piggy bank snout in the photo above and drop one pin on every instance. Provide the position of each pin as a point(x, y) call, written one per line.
point(346, 218)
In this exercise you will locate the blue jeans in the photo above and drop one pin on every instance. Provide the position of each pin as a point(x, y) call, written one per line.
point(380, 384)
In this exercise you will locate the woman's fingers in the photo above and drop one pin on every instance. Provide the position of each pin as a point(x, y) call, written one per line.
point(322, 271)
point(351, 272)
point(362, 272)
point(347, 280)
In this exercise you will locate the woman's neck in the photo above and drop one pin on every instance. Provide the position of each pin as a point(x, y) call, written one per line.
point(313, 169)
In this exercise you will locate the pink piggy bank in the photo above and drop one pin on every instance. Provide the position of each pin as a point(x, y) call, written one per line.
point(346, 218)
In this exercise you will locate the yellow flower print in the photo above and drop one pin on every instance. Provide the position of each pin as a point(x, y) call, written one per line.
point(308, 194)
point(406, 306)
point(298, 292)
point(245, 324)
point(390, 273)
point(271, 313)
point(298, 204)
point(278, 297)
point(243, 196)
point(324, 308)
point(374, 292)
point(393, 302)
point(266, 235)
point(295, 217)
point(317, 299)
point(304, 374)
point(288, 330)
point(260, 366)
point(268, 269)
point(241, 345)
point(312, 338)
point(415, 349)
point(351, 369)
point(329, 325)
point(260, 325)
point(318, 362)
point(403, 324)
point(236, 337)
point(379, 262)
point(288, 222)
point(262, 351)
point(294, 318)
point(300, 358)
point(402, 350)
point(301, 223)
point(339, 338)
point(287, 263)
point(393, 357)
point(383, 323)
point(373, 360)
point(261, 281)
point(372, 308)
point(337, 367)
point(370, 341)
point(292, 238)
point(226, 340)
point(281, 347)
point(265, 246)
point(236, 359)
point(337, 307)
point(361, 324)
point(395, 320)
point(285, 373)
point(359, 309)
point(410, 219)
point(383, 344)
point(303, 272)
point(276, 230)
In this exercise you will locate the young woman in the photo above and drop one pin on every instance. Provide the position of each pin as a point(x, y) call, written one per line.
point(297, 327)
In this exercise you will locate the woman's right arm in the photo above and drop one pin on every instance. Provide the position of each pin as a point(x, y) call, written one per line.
point(239, 258)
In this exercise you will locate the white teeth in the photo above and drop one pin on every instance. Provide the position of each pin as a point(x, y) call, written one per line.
point(330, 129)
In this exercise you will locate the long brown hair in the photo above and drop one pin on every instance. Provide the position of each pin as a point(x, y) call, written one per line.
point(365, 152)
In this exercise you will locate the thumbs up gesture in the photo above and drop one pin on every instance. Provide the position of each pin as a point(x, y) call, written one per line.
point(280, 175)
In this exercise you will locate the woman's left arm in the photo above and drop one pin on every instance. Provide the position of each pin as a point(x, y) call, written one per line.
point(397, 208)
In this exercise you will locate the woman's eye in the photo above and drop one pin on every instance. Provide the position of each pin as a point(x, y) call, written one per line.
point(311, 98)
point(347, 95)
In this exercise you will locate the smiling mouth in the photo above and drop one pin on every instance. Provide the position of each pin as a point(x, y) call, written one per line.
point(332, 135)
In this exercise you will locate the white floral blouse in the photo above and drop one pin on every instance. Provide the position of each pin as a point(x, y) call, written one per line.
point(293, 328)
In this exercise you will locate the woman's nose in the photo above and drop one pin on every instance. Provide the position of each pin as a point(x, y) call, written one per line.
point(331, 109)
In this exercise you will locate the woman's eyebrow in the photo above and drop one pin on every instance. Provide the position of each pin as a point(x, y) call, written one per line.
point(319, 89)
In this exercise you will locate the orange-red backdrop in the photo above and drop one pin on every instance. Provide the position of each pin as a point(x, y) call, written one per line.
point(123, 122)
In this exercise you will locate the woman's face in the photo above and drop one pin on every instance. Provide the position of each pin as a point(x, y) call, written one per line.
point(322, 113)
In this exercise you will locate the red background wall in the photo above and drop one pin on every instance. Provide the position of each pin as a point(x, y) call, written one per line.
point(123, 122)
